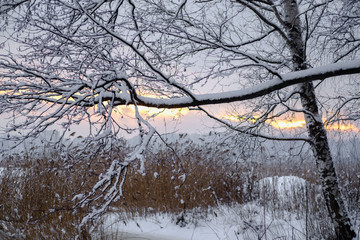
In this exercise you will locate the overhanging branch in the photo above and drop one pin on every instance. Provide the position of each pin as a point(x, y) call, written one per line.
point(319, 73)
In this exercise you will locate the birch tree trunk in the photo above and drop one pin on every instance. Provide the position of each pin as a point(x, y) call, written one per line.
point(320, 146)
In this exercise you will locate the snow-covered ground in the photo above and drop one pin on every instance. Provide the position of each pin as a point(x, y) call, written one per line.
point(237, 222)
point(230, 223)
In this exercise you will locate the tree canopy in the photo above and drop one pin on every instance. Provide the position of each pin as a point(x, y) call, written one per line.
point(71, 61)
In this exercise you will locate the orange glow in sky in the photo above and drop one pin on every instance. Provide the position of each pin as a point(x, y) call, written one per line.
point(292, 124)
point(146, 111)
point(174, 113)
point(240, 118)
point(288, 124)
point(342, 127)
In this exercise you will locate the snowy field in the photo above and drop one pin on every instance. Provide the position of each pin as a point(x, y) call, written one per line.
point(229, 223)
point(252, 220)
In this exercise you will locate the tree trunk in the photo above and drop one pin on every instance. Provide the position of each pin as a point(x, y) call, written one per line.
point(319, 141)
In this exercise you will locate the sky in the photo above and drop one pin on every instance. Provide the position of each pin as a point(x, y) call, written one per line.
point(190, 121)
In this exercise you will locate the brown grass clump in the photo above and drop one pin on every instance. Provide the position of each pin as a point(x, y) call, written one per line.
point(36, 201)
point(188, 179)
point(36, 194)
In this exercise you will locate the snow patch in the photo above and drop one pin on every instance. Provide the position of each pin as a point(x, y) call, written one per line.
point(284, 187)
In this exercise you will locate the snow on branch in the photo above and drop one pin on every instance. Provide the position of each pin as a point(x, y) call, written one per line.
point(121, 99)
point(319, 73)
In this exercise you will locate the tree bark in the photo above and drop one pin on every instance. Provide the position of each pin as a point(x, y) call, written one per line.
point(315, 126)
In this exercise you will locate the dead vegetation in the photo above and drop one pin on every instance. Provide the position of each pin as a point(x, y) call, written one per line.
point(36, 194)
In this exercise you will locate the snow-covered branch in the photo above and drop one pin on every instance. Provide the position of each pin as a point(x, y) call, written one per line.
point(320, 73)
point(119, 97)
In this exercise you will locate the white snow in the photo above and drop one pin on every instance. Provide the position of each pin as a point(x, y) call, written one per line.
point(236, 222)
point(284, 187)
point(239, 222)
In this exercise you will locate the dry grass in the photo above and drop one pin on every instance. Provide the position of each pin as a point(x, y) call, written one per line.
point(191, 179)
point(36, 201)
point(36, 194)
